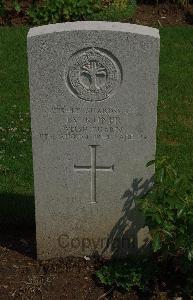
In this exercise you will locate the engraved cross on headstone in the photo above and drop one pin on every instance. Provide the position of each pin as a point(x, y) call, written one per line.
point(93, 168)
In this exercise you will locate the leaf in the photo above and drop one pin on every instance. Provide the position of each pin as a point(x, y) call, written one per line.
point(177, 181)
point(17, 6)
point(162, 174)
point(180, 212)
point(167, 232)
point(158, 219)
point(190, 254)
point(156, 244)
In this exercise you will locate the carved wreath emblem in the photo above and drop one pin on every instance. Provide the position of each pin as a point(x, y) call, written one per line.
point(93, 74)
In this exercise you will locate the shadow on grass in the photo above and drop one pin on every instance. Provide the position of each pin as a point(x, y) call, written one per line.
point(17, 223)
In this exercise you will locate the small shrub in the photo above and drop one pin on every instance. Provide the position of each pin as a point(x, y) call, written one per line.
point(134, 273)
point(119, 10)
point(53, 11)
point(168, 210)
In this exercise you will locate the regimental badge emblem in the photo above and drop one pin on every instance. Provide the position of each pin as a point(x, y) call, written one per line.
point(94, 74)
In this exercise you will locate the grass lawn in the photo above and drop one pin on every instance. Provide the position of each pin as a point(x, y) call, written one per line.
point(175, 115)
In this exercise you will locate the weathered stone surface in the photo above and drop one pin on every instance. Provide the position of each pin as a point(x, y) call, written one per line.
point(93, 89)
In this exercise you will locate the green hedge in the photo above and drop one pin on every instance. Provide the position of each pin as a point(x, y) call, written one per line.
point(53, 11)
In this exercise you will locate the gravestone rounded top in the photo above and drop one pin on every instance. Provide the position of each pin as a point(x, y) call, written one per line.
point(95, 26)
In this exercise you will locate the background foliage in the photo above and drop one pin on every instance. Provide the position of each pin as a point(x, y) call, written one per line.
point(70, 10)
point(168, 211)
point(52, 11)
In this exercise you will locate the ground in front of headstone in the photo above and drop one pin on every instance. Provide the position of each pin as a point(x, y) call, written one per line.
point(23, 277)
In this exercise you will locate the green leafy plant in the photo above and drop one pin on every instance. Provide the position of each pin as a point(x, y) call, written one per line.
point(168, 210)
point(118, 10)
point(52, 11)
point(16, 6)
point(133, 273)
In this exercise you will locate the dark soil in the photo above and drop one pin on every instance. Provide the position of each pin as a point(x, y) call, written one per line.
point(11, 17)
point(163, 15)
point(23, 277)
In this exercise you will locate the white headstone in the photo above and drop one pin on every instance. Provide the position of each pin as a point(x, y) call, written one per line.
point(93, 90)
